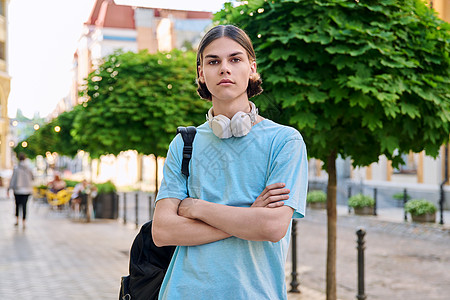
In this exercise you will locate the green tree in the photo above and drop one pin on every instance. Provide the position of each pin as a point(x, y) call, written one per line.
point(31, 148)
point(47, 139)
point(65, 144)
point(359, 79)
point(136, 101)
point(41, 141)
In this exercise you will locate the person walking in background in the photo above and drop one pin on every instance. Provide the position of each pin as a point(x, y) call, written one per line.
point(22, 185)
point(231, 218)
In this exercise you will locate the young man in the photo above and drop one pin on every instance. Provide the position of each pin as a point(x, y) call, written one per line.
point(231, 218)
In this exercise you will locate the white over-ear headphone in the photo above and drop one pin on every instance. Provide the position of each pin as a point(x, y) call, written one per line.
point(239, 125)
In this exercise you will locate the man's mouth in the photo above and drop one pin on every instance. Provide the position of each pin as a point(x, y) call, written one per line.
point(225, 82)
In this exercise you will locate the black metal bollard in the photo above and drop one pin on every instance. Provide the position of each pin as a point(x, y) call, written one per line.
point(361, 233)
point(294, 282)
point(405, 199)
point(349, 195)
point(375, 204)
point(442, 197)
point(124, 208)
point(441, 207)
point(136, 209)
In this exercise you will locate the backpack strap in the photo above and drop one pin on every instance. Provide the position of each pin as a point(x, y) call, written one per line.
point(188, 135)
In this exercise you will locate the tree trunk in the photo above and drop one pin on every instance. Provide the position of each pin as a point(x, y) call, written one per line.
point(156, 176)
point(331, 222)
point(89, 198)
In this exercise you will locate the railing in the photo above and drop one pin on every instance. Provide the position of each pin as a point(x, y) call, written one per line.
point(136, 207)
point(383, 195)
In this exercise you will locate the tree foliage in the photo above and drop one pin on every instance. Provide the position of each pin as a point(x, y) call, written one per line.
point(357, 78)
point(64, 141)
point(137, 101)
point(46, 139)
point(362, 78)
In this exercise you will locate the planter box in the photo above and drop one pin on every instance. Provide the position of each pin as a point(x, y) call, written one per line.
point(363, 211)
point(106, 206)
point(317, 205)
point(426, 218)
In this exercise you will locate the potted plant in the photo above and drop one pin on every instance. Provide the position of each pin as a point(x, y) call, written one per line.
point(421, 210)
point(362, 204)
point(316, 199)
point(71, 183)
point(106, 203)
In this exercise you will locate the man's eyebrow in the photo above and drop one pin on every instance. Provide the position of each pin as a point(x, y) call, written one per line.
point(231, 55)
point(236, 53)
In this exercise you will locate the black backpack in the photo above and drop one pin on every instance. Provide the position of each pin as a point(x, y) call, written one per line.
point(149, 263)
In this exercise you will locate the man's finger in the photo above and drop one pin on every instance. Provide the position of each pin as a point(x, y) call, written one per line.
point(277, 185)
point(273, 199)
point(275, 204)
point(276, 192)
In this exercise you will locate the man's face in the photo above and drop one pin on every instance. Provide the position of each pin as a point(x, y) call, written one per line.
point(226, 69)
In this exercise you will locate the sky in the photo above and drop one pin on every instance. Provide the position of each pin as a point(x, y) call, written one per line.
point(42, 38)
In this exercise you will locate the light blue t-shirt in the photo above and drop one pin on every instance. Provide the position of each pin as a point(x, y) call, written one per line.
point(234, 172)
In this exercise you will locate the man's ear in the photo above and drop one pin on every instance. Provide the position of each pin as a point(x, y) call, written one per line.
point(252, 68)
point(201, 77)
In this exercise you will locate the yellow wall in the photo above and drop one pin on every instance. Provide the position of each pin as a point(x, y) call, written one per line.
point(4, 91)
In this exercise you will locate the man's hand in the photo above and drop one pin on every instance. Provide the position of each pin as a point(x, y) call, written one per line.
point(186, 207)
point(272, 196)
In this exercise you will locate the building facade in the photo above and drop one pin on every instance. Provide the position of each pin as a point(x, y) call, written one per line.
point(111, 27)
point(5, 80)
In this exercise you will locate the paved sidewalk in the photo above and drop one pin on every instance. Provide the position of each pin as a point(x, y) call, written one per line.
point(59, 258)
point(56, 258)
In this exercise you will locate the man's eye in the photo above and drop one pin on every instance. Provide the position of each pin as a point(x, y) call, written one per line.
point(213, 62)
point(235, 59)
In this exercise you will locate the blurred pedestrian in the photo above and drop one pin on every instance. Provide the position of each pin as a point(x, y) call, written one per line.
point(79, 196)
point(22, 185)
point(248, 178)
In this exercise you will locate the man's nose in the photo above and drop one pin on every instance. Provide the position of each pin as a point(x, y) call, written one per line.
point(224, 68)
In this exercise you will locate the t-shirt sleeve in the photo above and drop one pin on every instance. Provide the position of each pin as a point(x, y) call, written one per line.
point(290, 166)
point(173, 184)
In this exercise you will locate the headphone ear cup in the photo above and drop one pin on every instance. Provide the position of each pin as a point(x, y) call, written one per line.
point(241, 124)
point(220, 126)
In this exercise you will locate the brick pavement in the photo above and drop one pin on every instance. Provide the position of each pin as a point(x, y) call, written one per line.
point(59, 258)
point(56, 258)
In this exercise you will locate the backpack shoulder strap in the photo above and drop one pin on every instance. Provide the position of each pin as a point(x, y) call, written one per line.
point(188, 135)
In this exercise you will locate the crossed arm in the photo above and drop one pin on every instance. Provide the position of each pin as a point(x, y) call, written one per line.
point(195, 222)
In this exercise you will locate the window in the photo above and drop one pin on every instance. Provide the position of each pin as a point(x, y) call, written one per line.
point(410, 165)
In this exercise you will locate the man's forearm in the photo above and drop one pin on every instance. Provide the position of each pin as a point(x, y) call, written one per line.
point(171, 229)
point(256, 223)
